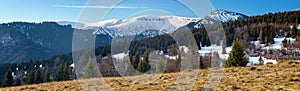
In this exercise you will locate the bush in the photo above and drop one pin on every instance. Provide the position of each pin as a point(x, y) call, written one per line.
point(259, 69)
point(252, 68)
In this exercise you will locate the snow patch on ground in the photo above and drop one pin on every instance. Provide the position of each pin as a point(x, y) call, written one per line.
point(218, 49)
point(212, 48)
point(13, 74)
point(209, 49)
point(120, 55)
point(298, 27)
point(185, 49)
point(72, 65)
point(172, 57)
point(276, 45)
point(254, 60)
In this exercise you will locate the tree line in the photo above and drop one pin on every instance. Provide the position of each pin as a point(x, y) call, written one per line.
point(36, 76)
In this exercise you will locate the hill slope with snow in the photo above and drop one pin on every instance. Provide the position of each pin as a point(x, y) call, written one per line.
point(164, 24)
point(137, 25)
point(223, 15)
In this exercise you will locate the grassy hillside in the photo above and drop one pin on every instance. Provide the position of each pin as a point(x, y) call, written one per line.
point(282, 76)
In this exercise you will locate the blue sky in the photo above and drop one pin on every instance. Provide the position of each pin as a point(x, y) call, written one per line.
point(71, 10)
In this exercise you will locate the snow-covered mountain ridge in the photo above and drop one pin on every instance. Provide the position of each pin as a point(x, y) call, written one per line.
point(164, 24)
point(224, 15)
point(137, 25)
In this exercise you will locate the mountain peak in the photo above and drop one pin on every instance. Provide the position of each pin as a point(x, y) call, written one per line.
point(102, 30)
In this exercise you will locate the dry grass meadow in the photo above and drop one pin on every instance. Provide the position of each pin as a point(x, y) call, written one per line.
point(271, 77)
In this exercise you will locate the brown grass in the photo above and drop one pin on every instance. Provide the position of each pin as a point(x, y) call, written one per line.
point(273, 77)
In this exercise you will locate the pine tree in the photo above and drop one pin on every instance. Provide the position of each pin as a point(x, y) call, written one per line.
point(203, 41)
point(144, 65)
point(17, 82)
point(205, 38)
point(30, 77)
point(224, 45)
point(146, 56)
point(207, 41)
point(215, 61)
point(284, 42)
point(294, 31)
point(288, 35)
point(8, 79)
point(260, 60)
point(271, 38)
point(201, 66)
point(129, 70)
point(38, 78)
point(47, 76)
point(135, 60)
point(160, 67)
point(178, 62)
point(262, 37)
point(266, 40)
point(198, 40)
point(66, 75)
point(60, 72)
point(237, 57)
point(90, 70)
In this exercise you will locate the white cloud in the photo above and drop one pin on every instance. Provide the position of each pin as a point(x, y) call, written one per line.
point(98, 7)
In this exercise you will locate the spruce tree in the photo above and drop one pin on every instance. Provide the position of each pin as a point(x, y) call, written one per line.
point(215, 61)
point(60, 72)
point(135, 60)
point(262, 37)
point(201, 66)
point(144, 65)
point(129, 70)
point(17, 82)
point(294, 31)
point(198, 40)
point(284, 42)
point(146, 56)
point(8, 79)
point(203, 41)
point(160, 67)
point(47, 76)
point(237, 57)
point(288, 35)
point(271, 38)
point(260, 60)
point(66, 75)
point(30, 77)
point(38, 78)
point(207, 41)
point(266, 41)
point(90, 70)
point(224, 45)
